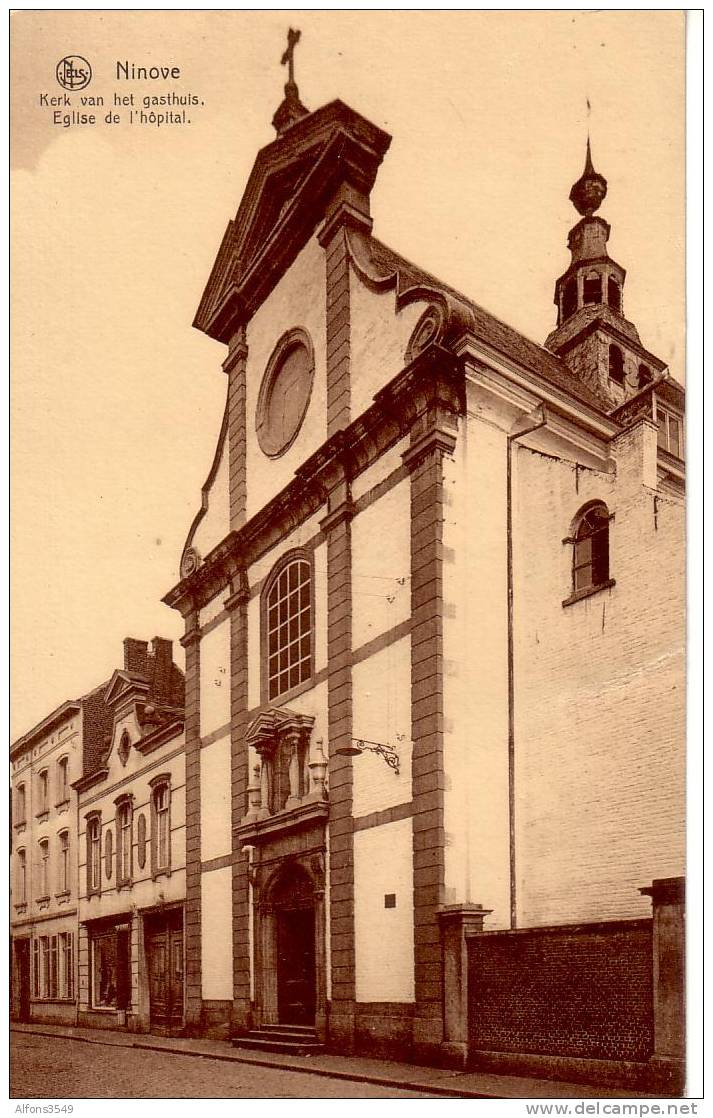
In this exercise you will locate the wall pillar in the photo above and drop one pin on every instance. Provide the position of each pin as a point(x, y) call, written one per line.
point(235, 366)
point(192, 931)
point(337, 527)
point(433, 435)
point(237, 605)
point(669, 979)
point(458, 922)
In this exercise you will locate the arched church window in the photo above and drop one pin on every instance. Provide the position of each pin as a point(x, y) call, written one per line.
point(616, 364)
point(590, 561)
point(569, 298)
point(288, 622)
point(644, 376)
point(592, 289)
point(614, 294)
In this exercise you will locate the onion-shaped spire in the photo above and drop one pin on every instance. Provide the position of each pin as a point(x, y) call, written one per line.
point(590, 190)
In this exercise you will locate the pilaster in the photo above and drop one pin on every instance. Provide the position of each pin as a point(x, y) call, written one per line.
point(337, 526)
point(235, 366)
point(237, 605)
point(192, 926)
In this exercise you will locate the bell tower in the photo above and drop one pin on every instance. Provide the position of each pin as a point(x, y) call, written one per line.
point(592, 336)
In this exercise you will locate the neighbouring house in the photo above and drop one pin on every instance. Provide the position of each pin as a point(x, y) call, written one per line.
point(44, 763)
point(131, 851)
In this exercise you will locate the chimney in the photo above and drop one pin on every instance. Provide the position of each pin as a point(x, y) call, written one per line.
point(136, 656)
point(162, 650)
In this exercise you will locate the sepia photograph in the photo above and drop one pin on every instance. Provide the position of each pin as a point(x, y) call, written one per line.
point(348, 556)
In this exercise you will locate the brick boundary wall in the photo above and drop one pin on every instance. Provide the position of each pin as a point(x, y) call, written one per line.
point(577, 991)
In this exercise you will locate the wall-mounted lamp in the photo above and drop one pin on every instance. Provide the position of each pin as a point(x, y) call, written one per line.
point(359, 745)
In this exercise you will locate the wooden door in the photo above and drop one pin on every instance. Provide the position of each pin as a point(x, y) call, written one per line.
point(22, 961)
point(164, 952)
point(296, 966)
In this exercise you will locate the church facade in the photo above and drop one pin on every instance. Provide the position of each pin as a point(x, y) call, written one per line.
point(434, 610)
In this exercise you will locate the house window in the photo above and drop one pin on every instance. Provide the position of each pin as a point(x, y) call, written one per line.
point(21, 877)
point(53, 967)
point(62, 782)
point(616, 364)
point(44, 868)
point(66, 964)
point(63, 875)
point(161, 824)
point(590, 567)
point(123, 842)
point(93, 854)
point(592, 290)
point(21, 804)
point(103, 977)
point(288, 627)
point(644, 376)
point(614, 294)
point(43, 789)
point(670, 431)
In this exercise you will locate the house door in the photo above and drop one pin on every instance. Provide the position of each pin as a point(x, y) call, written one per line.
point(22, 964)
point(164, 952)
point(295, 966)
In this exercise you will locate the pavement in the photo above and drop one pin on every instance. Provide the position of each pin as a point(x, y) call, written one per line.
point(355, 1069)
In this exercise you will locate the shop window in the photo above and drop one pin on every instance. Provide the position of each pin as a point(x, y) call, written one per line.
point(104, 970)
point(287, 627)
point(616, 364)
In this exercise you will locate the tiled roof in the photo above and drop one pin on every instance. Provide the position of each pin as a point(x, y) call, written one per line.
point(498, 334)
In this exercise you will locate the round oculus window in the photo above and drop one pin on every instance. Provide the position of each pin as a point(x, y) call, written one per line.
point(284, 393)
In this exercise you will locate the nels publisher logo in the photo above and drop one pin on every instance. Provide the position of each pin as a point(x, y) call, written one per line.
point(74, 72)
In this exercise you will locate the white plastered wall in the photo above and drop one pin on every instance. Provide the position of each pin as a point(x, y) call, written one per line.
point(379, 338)
point(384, 950)
point(215, 799)
point(381, 565)
point(217, 935)
point(381, 712)
point(215, 679)
point(297, 300)
point(476, 808)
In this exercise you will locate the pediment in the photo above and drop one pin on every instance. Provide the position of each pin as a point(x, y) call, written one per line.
point(272, 723)
point(123, 685)
point(285, 198)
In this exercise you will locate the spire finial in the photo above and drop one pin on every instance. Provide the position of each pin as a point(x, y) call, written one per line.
point(590, 189)
point(291, 108)
point(288, 58)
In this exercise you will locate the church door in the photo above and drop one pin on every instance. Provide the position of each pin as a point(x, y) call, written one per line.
point(295, 966)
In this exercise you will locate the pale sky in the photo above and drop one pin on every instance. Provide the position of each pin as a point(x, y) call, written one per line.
point(117, 401)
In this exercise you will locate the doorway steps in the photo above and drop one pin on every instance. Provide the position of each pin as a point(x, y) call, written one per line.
point(292, 1040)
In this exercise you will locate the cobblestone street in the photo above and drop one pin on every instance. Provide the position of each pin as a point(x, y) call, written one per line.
point(59, 1068)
